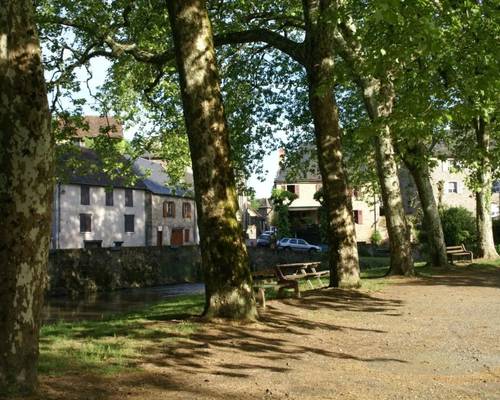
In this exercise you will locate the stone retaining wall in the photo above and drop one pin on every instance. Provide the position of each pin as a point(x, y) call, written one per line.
point(76, 271)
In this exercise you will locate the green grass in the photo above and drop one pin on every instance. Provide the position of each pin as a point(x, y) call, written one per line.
point(115, 344)
point(118, 343)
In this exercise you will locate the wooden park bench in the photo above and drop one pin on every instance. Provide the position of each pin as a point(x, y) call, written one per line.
point(272, 278)
point(458, 251)
point(305, 270)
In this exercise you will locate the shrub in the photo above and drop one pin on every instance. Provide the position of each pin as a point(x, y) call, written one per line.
point(459, 226)
point(376, 238)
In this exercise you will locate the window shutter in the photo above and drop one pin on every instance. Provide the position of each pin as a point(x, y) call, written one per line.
point(186, 235)
point(360, 217)
point(297, 192)
point(460, 187)
point(165, 209)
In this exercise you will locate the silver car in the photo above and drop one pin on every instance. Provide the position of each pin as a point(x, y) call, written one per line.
point(297, 245)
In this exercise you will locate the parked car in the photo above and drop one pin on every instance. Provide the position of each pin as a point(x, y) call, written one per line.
point(297, 245)
point(264, 240)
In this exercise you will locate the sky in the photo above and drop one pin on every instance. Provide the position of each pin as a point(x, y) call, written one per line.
point(99, 66)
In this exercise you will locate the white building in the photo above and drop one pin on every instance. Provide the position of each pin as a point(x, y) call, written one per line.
point(91, 210)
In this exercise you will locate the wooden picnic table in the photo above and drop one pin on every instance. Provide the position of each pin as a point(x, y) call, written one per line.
point(302, 270)
point(271, 278)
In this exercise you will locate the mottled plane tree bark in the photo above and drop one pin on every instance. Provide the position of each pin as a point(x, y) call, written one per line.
point(485, 242)
point(316, 55)
point(26, 176)
point(320, 64)
point(414, 158)
point(224, 256)
point(379, 96)
point(344, 261)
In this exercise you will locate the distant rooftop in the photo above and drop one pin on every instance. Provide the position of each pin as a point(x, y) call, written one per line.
point(84, 167)
point(100, 126)
point(305, 166)
point(157, 180)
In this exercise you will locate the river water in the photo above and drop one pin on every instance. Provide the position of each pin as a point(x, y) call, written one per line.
point(97, 306)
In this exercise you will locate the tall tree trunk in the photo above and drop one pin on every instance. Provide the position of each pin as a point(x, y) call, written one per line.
point(224, 257)
point(485, 243)
point(343, 256)
point(419, 170)
point(26, 186)
point(379, 100)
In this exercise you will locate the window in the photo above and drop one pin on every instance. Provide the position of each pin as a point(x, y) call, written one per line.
point(291, 188)
point(300, 241)
point(129, 198)
point(358, 216)
point(496, 187)
point(85, 223)
point(109, 197)
point(318, 187)
point(129, 223)
point(168, 209)
point(186, 235)
point(85, 195)
point(452, 187)
point(92, 244)
point(186, 210)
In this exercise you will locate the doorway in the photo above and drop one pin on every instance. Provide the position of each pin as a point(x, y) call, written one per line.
point(177, 237)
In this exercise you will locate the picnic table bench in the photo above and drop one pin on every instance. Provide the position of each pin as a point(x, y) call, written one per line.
point(285, 276)
point(303, 270)
point(271, 278)
point(454, 251)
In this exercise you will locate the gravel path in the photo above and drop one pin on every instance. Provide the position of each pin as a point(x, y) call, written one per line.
point(418, 338)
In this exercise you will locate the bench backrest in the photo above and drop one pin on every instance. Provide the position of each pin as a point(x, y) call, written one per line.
point(455, 248)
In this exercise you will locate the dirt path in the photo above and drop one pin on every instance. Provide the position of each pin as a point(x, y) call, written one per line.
point(420, 338)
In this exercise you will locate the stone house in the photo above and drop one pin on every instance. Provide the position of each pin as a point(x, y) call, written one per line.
point(305, 210)
point(92, 210)
point(450, 189)
point(171, 217)
point(449, 185)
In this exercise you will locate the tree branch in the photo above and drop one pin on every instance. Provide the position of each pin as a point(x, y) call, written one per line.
point(294, 49)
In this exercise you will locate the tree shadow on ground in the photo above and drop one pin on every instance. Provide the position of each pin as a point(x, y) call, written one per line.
point(477, 274)
point(283, 336)
point(266, 340)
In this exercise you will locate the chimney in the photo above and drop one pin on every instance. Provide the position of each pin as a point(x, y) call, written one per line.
point(281, 154)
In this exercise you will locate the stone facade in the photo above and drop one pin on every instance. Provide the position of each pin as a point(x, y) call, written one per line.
point(76, 271)
point(163, 226)
point(449, 186)
point(107, 223)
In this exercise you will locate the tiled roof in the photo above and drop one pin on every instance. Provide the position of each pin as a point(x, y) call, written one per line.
point(156, 178)
point(84, 167)
point(100, 126)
